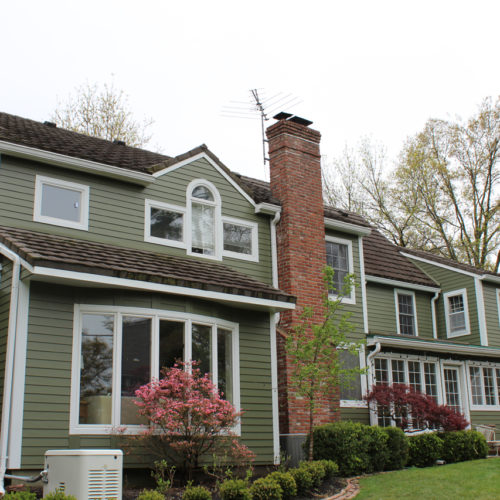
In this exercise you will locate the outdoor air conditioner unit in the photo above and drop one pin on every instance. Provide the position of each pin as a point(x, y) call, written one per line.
point(85, 474)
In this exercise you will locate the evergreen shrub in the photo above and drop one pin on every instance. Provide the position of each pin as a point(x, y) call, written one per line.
point(266, 488)
point(196, 493)
point(235, 489)
point(287, 483)
point(425, 449)
point(397, 444)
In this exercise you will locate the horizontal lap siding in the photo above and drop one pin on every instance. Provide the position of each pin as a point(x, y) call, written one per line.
point(116, 212)
point(48, 369)
point(361, 415)
point(449, 281)
point(491, 313)
point(5, 287)
point(486, 418)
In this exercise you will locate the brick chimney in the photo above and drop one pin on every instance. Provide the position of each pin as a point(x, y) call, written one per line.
point(295, 170)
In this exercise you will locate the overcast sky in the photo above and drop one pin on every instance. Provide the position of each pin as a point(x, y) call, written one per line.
point(358, 68)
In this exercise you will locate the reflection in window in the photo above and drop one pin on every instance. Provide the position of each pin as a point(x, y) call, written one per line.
point(171, 343)
point(350, 386)
point(237, 238)
point(166, 224)
point(202, 347)
point(225, 363)
point(406, 314)
point(337, 257)
point(96, 369)
point(203, 229)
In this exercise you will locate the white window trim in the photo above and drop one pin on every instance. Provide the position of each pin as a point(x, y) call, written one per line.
point(155, 314)
point(83, 225)
point(483, 407)
point(149, 204)
point(357, 403)
point(351, 299)
point(254, 254)
point(462, 382)
point(498, 304)
point(217, 216)
point(398, 291)
point(463, 292)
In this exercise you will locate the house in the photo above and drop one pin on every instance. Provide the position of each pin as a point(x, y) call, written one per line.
point(116, 261)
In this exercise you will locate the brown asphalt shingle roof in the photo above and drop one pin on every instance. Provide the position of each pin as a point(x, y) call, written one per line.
point(46, 250)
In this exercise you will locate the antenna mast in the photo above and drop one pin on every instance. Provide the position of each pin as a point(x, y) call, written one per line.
point(263, 117)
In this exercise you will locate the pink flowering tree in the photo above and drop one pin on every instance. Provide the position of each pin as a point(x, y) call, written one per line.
point(188, 418)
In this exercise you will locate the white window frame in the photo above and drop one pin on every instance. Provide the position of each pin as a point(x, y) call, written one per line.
point(481, 365)
point(454, 293)
point(149, 204)
point(348, 299)
point(355, 403)
point(84, 190)
point(156, 315)
point(253, 256)
point(398, 291)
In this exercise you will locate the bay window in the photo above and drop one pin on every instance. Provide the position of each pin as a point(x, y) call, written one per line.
point(116, 350)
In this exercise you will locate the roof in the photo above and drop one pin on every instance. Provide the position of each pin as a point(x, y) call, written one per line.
point(439, 259)
point(58, 252)
point(47, 137)
point(383, 259)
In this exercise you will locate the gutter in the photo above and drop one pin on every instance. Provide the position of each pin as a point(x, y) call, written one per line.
point(9, 363)
point(433, 314)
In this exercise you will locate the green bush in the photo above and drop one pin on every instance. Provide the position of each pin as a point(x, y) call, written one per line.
point(20, 495)
point(355, 447)
point(196, 493)
point(286, 481)
point(397, 444)
point(316, 469)
point(424, 449)
point(331, 468)
point(150, 495)
point(303, 479)
point(235, 489)
point(266, 488)
point(60, 495)
point(459, 446)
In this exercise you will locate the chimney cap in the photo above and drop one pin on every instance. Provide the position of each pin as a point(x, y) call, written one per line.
point(282, 116)
point(291, 118)
point(118, 142)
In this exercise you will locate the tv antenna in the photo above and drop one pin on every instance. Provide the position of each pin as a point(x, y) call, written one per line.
point(260, 107)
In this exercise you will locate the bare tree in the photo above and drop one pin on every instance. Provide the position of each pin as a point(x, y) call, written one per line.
point(102, 112)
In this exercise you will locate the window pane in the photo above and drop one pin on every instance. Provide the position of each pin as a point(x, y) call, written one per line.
point(415, 381)
point(166, 224)
point(430, 380)
point(96, 371)
point(475, 384)
point(171, 343)
point(337, 257)
point(398, 372)
point(452, 389)
point(406, 314)
point(489, 387)
point(136, 364)
point(350, 388)
point(225, 363)
point(381, 371)
point(203, 229)
point(202, 348)
point(456, 314)
point(61, 203)
point(203, 193)
point(237, 238)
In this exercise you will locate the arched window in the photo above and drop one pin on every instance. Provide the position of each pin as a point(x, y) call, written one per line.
point(204, 211)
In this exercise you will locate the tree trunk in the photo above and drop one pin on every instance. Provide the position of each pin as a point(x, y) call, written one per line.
point(311, 433)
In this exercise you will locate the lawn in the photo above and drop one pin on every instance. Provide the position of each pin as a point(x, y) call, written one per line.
point(479, 479)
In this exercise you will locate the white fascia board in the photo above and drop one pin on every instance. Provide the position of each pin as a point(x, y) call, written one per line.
point(98, 279)
point(443, 347)
point(438, 264)
point(267, 208)
point(6, 252)
point(347, 227)
point(402, 284)
point(204, 156)
point(490, 277)
point(481, 313)
point(72, 163)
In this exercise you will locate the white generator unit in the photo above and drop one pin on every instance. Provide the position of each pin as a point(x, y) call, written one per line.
point(85, 474)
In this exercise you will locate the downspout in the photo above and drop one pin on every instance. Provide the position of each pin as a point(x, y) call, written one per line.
point(9, 364)
point(433, 313)
point(369, 358)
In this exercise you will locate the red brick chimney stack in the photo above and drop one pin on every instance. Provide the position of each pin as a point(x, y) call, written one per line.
point(295, 170)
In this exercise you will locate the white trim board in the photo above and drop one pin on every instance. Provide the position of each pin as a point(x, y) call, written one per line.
point(346, 227)
point(402, 284)
point(481, 313)
point(438, 264)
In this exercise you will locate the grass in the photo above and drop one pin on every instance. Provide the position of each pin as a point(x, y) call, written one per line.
point(479, 479)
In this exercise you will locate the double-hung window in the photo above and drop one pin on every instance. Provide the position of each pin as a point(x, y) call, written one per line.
point(61, 203)
point(456, 313)
point(339, 258)
point(485, 386)
point(116, 350)
point(406, 312)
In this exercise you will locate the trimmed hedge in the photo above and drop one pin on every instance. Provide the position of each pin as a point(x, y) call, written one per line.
point(266, 488)
point(287, 483)
point(425, 449)
point(397, 443)
point(235, 489)
point(196, 493)
point(459, 446)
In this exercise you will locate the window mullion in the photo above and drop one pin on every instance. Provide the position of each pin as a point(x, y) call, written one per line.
point(188, 331)
point(215, 366)
point(117, 371)
point(155, 347)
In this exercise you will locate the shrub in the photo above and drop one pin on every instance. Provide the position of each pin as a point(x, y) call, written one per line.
point(60, 495)
point(235, 489)
point(424, 449)
point(397, 444)
point(150, 495)
point(355, 447)
point(20, 495)
point(266, 488)
point(286, 481)
point(316, 469)
point(303, 479)
point(196, 493)
point(331, 468)
point(459, 446)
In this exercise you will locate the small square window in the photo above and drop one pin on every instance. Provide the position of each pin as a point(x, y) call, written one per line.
point(61, 203)
point(164, 224)
point(239, 239)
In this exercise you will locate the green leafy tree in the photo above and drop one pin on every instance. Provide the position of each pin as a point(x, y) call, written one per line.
point(314, 349)
point(104, 113)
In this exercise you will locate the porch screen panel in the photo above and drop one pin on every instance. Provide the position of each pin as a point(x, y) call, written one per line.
point(136, 364)
point(96, 369)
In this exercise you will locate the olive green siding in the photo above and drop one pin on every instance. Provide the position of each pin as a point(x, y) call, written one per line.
point(486, 418)
point(491, 313)
point(356, 310)
point(48, 368)
point(361, 415)
point(382, 310)
point(117, 209)
point(5, 286)
point(449, 281)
